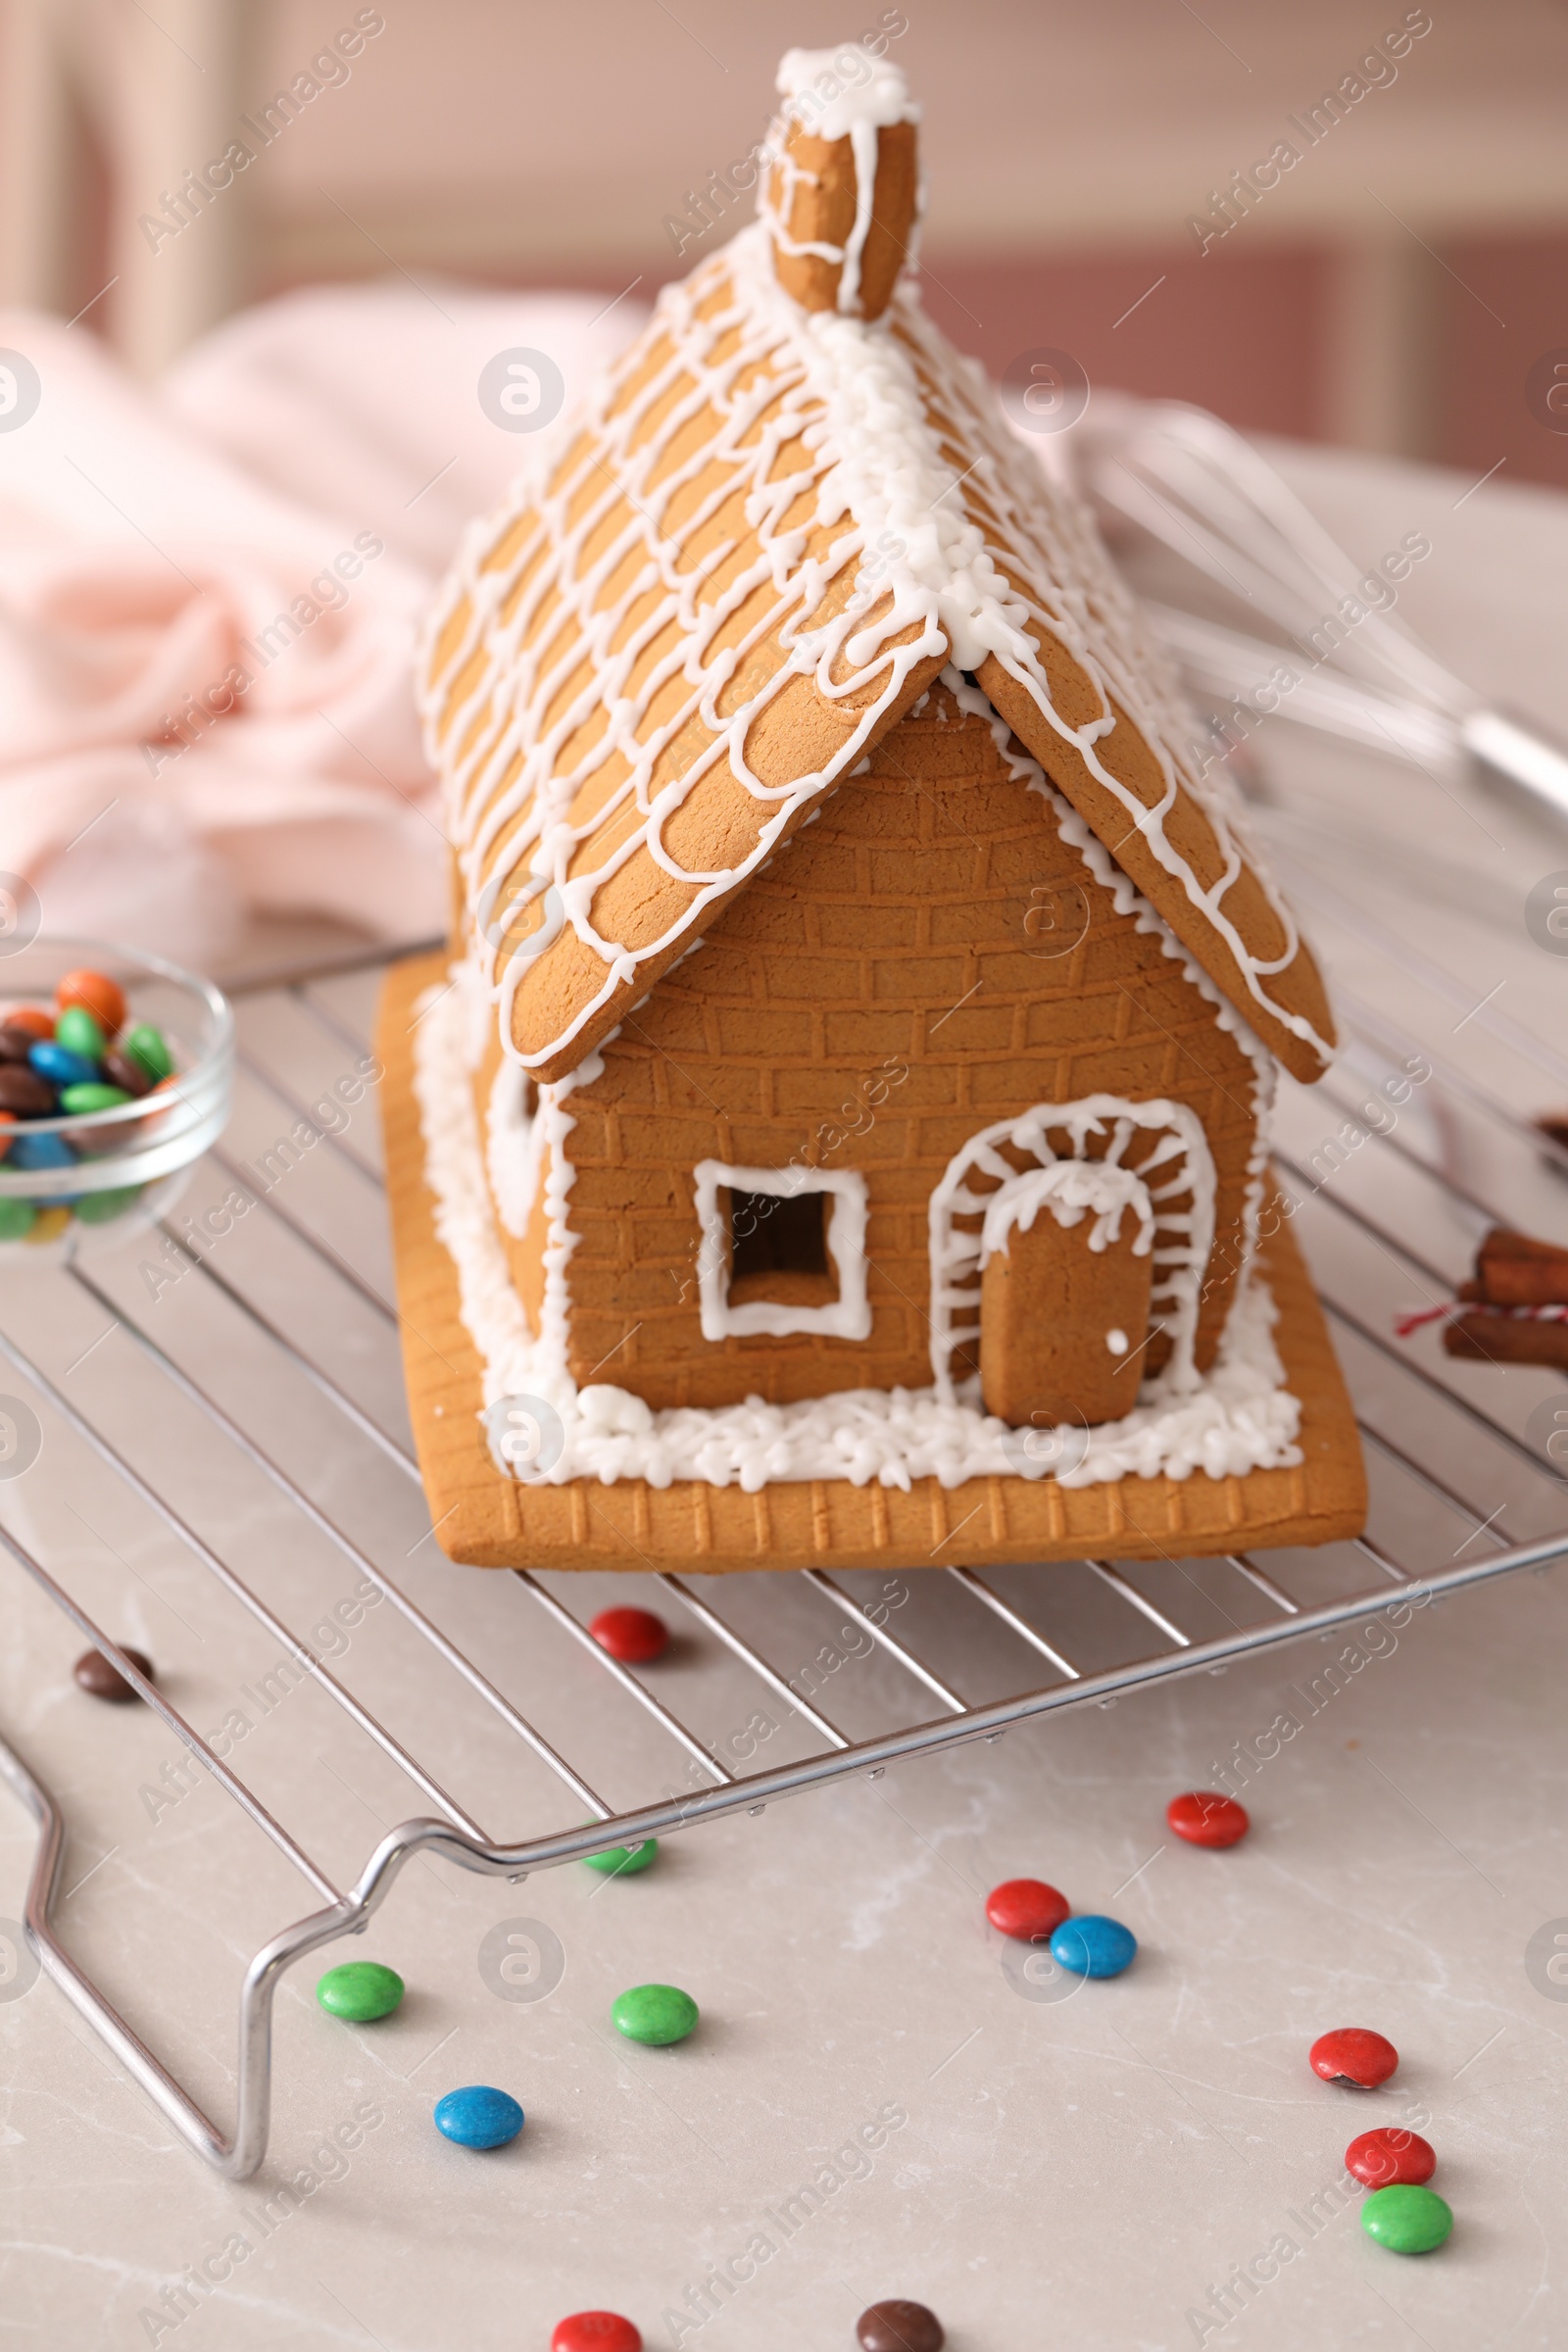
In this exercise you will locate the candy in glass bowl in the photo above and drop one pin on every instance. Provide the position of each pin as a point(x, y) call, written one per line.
point(116, 1071)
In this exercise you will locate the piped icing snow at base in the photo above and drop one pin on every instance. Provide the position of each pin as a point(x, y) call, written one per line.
point(1240, 1417)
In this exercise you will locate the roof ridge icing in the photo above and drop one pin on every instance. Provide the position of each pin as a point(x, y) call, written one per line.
point(918, 532)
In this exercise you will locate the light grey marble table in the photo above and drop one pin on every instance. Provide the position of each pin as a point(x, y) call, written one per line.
point(1141, 2166)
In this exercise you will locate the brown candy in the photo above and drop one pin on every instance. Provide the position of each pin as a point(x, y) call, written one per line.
point(22, 1090)
point(899, 2327)
point(14, 1043)
point(124, 1071)
point(96, 1675)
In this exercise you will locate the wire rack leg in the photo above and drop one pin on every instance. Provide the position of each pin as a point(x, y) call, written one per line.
point(237, 2158)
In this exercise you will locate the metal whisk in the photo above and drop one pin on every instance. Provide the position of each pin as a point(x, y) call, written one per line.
point(1161, 473)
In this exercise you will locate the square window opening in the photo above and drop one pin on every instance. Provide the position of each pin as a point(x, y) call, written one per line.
point(777, 1232)
point(784, 1252)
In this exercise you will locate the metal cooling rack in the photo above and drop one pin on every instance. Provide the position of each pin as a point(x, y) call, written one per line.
point(305, 1296)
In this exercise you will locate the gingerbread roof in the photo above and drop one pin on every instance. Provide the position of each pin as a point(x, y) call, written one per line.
point(781, 513)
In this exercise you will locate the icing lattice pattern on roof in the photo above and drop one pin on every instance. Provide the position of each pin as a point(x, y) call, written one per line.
point(770, 529)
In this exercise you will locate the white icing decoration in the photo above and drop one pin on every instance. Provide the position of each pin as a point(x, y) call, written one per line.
point(1127, 898)
point(869, 97)
point(1181, 1156)
point(1116, 1340)
point(847, 398)
point(514, 1146)
point(1239, 1418)
point(465, 1215)
point(847, 1318)
point(1071, 1188)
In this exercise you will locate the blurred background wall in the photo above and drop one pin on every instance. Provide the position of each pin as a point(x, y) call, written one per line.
point(1095, 178)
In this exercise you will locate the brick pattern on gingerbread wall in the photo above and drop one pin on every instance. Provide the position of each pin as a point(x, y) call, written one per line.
point(888, 937)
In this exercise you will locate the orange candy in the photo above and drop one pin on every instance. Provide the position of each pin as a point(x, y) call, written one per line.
point(8, 1118)
point(38, 1023)
point(102, 996)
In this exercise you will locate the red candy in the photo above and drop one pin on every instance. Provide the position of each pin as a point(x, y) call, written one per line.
point(1026, 1908)
point(1353, 2056)
point(597, 2330)
point(634, 1636)
point(1206, 1817)
point(1379, 2159)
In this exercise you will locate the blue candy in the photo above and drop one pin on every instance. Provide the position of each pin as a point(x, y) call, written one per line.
point(60, 1066)
point(479, 2117)
point(1093, 1946)
point(32, 1152)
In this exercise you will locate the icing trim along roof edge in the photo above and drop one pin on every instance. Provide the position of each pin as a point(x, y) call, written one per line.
point(770, 531)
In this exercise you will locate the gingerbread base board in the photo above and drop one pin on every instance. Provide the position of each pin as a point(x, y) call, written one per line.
point(485, 1520)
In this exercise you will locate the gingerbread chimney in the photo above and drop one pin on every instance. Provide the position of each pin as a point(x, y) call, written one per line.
point(842, 200)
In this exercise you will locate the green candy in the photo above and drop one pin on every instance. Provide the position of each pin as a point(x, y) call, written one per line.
point(79, 1032)
point(100, 1208)
point(16, 1219)
point(91, 1094)
point(1405, 2219)
point(655, 2012)
point(360, 1990)
point(624, 1861)
point(145, 1045)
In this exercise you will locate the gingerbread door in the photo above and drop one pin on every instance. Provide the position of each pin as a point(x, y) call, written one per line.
point(1066, 1271)
point(1057, 1270)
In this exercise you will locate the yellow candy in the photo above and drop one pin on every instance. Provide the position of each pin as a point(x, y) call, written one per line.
point(49, 1223)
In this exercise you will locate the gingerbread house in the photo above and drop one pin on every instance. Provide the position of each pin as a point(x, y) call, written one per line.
point(838, 1131)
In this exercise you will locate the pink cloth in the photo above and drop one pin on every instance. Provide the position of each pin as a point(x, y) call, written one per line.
point(210, 596)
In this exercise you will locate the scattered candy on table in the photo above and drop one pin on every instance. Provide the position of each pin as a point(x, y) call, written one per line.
point(1407, 2220)
point(624, 1861)
point(78, 1062)
point(103, 1679)
point(899, 2327)
point(479, 2117)
point(1206, 1817)
point(1353, 2056)
point(1026, 1908)
point(360, 1990)
point(1094, 1946)
point(1384, 2158)
point(594, 2331)
point(633, 1636)
point(654, 2012)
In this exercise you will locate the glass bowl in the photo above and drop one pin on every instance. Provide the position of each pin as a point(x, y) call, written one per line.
point(129, 1162)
